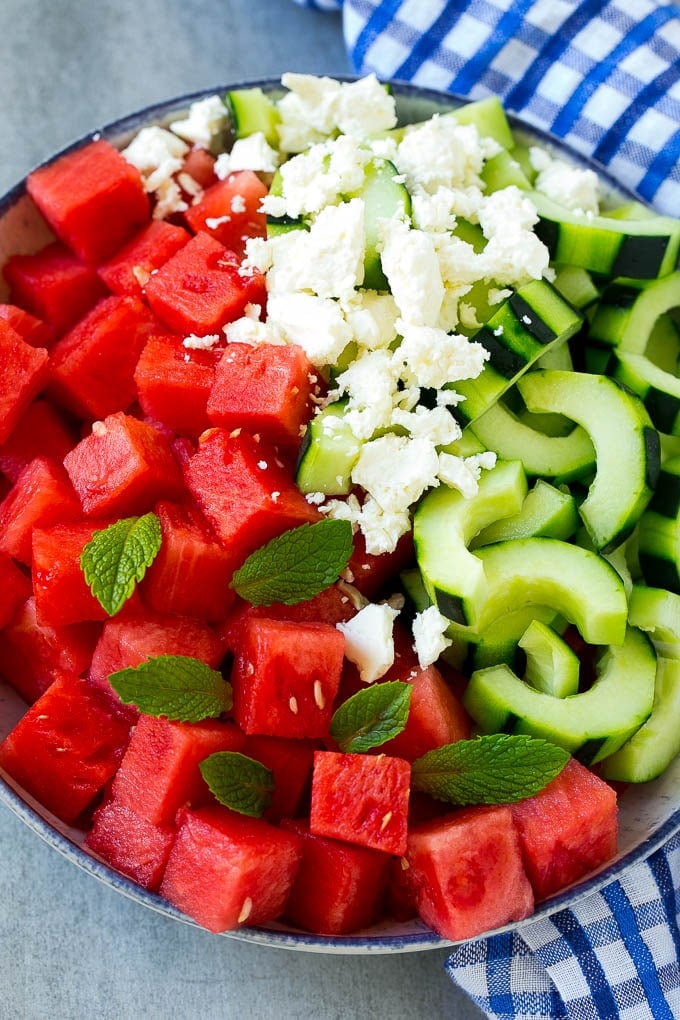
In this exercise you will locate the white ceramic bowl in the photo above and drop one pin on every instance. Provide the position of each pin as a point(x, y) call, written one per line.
point(649, 814)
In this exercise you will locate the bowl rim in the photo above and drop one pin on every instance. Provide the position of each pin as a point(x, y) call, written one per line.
point(64, 840)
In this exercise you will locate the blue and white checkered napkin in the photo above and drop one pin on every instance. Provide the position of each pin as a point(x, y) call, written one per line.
point(605, 76)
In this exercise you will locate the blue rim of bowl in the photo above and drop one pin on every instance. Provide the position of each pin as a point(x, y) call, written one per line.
point(285, 937)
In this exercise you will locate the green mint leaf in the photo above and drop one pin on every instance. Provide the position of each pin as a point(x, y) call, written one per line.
point(175, 686)
point(297, 565)
point(238, 782)
point(371, 716)
point(499, 768)
point(117, 557)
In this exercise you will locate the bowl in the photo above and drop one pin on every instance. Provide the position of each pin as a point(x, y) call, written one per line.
point(649, 814)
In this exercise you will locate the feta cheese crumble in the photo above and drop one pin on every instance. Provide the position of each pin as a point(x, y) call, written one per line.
point(369, 640)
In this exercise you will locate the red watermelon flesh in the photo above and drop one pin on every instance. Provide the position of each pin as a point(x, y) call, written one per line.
point(130, 843)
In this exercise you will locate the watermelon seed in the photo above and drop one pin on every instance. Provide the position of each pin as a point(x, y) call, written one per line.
point(318, 695)
point(245, 910)
point(386, 819)
point(293, 705)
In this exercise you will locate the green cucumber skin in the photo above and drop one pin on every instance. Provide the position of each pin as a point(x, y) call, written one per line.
point(551, 665)
point(591, 725)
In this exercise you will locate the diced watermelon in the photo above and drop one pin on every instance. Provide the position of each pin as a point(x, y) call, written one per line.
point(93, 199)
point(66, 747)
point(123, 467)
point(230, 210)
point(199, 289)
point(15, 588)
point(130, 843)
point(62, 595)
point(370, 572)
point(42, 495)
point(567, 830)
point(265, 390)
point(199, 164)
point(33, 330)
point(42, 431)
point(92, 366)
point(244, 492)
point(436, 717)
point(53, 284)
point(466, 872)
point(23, 373)
point(191, 573)
point(339, 888)
point(32, 654)
point(286, 676)
point(226, 870)
point(290, 762)
point(174, 383)
point(129, 270)
point(362, 799)
point(159, 772)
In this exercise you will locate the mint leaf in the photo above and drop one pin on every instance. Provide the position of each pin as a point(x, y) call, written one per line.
point(499, 768)
point(239, 782)
point(117, 557)
point(371, 717)
point(175, 686)
point(295, 566)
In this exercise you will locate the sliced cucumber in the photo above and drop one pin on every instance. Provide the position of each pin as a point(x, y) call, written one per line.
point(489, 117)
point(659, 550)
point(500, 640)
point(552, 666)
point(443, 525)
point(658, 389)
point(653, 747)
point(591, 725)
point(657, 612)
point(328, 453)
point(503, 171)
point(533, 319)
point(626, 475)
point(384, 196)
point(575, 582)
point(565, 457)
point(253, 111)
point(649, 303)
point(576, 285)
point(640, 248)
point(546, 512)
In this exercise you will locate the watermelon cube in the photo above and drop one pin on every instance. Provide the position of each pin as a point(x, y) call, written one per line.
point(199, 165)
point(200, 288)
point(230, 210)
point(338, 888)
point(265, 390)
point(42, 495)
point(466, 872)
point(23, 373)
point(362, 799)
point(66, 747)
point(92, 366)
point(123, 467)
point(32, 653)
point(62, 595)
point(290, 762)
point(33, 330)
point(129, 270)
point(226, 870)
point(436, 717)
point(130, 843)
point(159, 772)
point(567, 830)
point(15, 588)
point(53, 284)
point(244, 491)
point(285, 677)
point(174, 383)
point(93, 199)
point(43, 431)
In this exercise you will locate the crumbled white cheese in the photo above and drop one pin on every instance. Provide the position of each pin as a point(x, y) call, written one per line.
point(436, 425)
point(201, 343)
point(371, 384)
point(206, 120)
point(316, 324)
point(250, 153)
point(432, 357)
point(429, 633)
point(442, 153)
point(371, 316)
point(369, 640)
point(575, 187)
point(396, 470)
point(159, 155)
point(409, 261)
point(317, 177)
point(514, 254)
point(463, 473)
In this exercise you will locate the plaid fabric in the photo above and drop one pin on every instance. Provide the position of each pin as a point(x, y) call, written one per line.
point(602, 74)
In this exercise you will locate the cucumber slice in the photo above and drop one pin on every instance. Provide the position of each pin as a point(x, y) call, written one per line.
point(443, 525)
point(531, 321)
point(384, 196)
point(591, 725)
point(648, 304)
point(626, 475)
point(328, 453)
point(659, 550)
point(576, 285)
point(657, 612)
point(565, 457)
point(253, 111)
point(552, 666)
point(489, 117)
point(575, 582)
point(640, 248)
point(500, 640)
point(654, 746)
point(503, 171)
point(546, 512)
point(658, 389)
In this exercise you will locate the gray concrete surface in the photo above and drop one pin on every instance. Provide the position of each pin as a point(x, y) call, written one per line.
point(71, 948)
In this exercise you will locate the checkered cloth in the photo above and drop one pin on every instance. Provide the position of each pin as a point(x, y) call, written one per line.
point(605, 76)
point(602, 74)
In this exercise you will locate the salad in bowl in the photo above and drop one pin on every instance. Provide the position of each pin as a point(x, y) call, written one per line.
point(339, 467)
